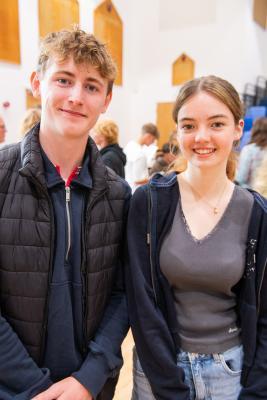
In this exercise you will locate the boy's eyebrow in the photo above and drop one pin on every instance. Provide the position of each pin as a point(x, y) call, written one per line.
point(62, 71)
point(71, 75)
point(91, 79)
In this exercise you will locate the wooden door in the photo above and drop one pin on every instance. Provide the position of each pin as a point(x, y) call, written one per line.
point(183, 69)
point(260, 12)
point(165, 123)
point(31, 101)
point(108, 27)
point(9, 31)
point(55, 15)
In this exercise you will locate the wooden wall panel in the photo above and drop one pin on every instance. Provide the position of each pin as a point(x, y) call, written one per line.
point(55, 15)
point(108, 27)
point(183, 69)
point(9, 31)
point(260, 12)
point(165, 123)
point(31, 101)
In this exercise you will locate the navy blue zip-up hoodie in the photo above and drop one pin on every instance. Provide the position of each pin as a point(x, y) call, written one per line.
point(150, 300)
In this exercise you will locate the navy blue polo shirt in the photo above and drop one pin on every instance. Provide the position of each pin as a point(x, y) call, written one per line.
point(63, 350)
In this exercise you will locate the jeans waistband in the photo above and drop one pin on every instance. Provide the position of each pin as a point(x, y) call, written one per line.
point(190, 356)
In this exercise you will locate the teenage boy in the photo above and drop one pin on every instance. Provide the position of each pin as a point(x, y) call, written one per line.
point(62, 306)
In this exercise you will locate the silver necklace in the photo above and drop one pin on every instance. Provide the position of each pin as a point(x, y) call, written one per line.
point(215, 208)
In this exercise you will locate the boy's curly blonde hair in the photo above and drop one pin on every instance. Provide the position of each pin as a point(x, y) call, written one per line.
point(82, 46)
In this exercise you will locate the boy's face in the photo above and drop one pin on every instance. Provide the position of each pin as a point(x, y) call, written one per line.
point(72, 97)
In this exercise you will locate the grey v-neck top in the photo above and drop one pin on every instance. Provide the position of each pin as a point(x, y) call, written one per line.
point(202, 274)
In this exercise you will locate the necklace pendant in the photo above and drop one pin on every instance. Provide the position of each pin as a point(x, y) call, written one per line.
point(215, 210)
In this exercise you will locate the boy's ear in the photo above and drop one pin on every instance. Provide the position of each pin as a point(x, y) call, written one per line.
point(107, 101)
point(35, 84)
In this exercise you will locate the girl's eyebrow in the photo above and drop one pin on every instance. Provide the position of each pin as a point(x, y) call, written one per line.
point(186, 119)
point(218, 116)
point(212, 117)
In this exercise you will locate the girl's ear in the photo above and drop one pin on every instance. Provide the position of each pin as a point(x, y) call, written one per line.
point(239, 129)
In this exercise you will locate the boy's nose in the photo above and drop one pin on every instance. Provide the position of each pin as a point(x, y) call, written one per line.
point(76, 95)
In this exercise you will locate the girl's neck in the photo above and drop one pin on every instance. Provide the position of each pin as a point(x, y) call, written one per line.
point(205, 181)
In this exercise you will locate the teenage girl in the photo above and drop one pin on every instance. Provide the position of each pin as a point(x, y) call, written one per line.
point(196, 276)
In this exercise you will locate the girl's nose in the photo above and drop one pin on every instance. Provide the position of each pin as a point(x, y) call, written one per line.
point(202, 135)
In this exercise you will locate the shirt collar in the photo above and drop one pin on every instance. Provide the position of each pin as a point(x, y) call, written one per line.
point(53, 178)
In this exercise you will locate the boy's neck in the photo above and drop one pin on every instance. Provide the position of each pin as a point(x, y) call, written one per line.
point(67, 153)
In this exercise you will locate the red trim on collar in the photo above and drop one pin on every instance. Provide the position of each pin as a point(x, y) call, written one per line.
point(73, 173)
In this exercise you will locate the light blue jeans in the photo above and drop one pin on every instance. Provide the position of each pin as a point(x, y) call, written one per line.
point(208, 376)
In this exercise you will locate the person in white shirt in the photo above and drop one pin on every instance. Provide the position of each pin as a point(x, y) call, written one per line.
point(136, 168)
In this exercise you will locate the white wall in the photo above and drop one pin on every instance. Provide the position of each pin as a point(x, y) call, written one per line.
point(14, 79)
point(220, 36)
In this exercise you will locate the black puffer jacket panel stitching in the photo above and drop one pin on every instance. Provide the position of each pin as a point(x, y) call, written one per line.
point(27, 235)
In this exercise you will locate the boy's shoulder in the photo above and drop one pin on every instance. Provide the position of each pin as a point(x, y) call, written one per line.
point(116, 184)
point(118, 194)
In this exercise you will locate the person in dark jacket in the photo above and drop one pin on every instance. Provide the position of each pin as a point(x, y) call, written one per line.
point(196, 272)
point(63, 311)
point(105, 135)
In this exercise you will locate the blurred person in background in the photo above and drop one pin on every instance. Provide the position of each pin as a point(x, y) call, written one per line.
point(164, 158)
point(2, 130)
point(260, 181)
point(252, 154)
point(136, 168)
point(31, 118)
point(105, 135)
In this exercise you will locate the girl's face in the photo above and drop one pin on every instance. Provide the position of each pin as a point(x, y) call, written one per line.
point(206, 131)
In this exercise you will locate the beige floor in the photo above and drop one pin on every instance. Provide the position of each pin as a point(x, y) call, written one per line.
point(124, 387)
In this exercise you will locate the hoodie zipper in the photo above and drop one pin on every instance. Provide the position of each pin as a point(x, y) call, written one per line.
point(260, 287)
point(67, 192)
point(149, 243)
point(252, 260)
point(74, 173)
